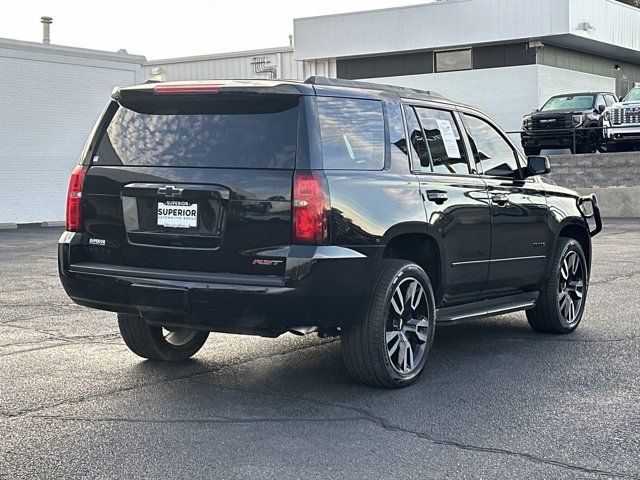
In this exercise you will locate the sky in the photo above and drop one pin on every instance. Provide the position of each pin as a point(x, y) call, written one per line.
point(170, 28)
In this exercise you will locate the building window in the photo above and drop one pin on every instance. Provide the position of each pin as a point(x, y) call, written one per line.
point(452, 60)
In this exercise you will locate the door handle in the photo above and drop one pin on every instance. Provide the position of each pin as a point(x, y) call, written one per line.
point(500, 199)
point(437, 196)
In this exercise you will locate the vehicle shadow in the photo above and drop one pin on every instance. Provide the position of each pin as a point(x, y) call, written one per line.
point(468, 360)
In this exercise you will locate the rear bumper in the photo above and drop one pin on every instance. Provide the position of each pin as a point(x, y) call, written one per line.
point(326, 287)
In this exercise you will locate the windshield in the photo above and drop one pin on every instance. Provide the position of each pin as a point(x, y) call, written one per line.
point(566, 102)
point(255, 133)
point(633, 96)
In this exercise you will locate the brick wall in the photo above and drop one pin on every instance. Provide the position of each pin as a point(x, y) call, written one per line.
point(49, 101)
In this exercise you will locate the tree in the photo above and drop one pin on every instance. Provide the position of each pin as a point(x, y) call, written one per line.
point(633, 3)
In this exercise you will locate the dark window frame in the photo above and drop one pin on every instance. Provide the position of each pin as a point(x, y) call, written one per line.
point(479, 167)
point(415, 164)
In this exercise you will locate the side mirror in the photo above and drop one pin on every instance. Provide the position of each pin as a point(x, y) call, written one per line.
point(601, 108)
point(535, 110)
point(537, 166)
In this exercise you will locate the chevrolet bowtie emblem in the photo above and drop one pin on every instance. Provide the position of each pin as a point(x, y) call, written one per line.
point(170, 191)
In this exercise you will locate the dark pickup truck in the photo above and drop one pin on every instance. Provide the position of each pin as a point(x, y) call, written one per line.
point(570, 121)
point(337, 207)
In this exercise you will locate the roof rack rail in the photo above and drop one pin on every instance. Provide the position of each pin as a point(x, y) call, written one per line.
point(338, 82)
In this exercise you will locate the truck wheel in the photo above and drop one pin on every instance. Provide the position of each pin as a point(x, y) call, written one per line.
point(561, 303)
point(389, 347)
point(157, 343)
point(532, 151)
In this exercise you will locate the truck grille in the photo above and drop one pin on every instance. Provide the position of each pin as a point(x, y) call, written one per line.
point(620, 116)
point(549, 123)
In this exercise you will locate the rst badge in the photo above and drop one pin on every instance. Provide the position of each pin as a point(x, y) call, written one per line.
point(266, 262)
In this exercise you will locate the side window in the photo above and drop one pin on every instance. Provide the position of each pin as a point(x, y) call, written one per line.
point(610, 99)
point(600, 101)
point(416, 139)
point(397, 137)
point(490, 149)
point(444, 141)
point(352, 133)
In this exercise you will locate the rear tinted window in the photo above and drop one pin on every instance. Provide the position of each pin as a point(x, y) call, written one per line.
point(352, 133)
point(230, 133)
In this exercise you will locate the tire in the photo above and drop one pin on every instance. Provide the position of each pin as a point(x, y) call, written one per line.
point(561, 303)
point(151, 342)
point(532, 151)
point(372, 350)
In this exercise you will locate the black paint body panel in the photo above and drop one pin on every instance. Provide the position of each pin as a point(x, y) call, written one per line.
point(239, 273)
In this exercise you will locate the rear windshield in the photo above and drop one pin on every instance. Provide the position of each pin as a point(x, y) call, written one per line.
point(255, 133)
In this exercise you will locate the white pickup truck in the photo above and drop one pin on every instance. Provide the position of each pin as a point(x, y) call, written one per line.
point(621, 123)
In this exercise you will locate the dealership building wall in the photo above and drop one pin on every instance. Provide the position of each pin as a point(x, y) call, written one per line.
point(521, 52)
point(50, 97)
point(518, 53)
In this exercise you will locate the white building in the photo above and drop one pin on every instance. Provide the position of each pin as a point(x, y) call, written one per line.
point(264, 63)
point(505, 57)
point(50, 97)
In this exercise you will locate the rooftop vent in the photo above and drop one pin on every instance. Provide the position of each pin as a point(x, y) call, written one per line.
point(46, 34)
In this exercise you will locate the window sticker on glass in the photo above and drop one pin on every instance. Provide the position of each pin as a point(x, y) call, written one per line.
point(449, 138)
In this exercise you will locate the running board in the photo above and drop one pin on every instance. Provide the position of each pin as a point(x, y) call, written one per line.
point(485, 308)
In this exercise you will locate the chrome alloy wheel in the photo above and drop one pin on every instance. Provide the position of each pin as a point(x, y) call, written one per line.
point(571, 287)
point(178, 336)
point(407, 328)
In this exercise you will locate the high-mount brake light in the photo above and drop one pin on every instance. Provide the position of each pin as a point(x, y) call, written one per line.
point(310, 208)
point(74, 199)
point(173, 89)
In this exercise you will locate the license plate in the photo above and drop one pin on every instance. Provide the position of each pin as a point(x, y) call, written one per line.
point(174, 214)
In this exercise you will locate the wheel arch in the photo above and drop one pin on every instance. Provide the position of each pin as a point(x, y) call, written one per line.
point(581, 235)
point(418, 244)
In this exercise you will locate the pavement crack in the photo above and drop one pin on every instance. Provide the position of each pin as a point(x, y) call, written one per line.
point(210, 420)
point(387, 425)
point(627, 276)
point(362, 415)
point(75, 401)
point(35, 349)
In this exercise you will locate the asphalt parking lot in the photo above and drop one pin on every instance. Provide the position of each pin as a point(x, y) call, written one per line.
point(496, 401)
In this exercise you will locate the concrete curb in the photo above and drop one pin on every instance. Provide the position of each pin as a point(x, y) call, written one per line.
point(13, 226)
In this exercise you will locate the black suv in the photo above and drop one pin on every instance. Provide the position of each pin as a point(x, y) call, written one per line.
point(344, 208)
point(570, 121)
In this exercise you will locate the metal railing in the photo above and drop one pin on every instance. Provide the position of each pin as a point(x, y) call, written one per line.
point(600, 140)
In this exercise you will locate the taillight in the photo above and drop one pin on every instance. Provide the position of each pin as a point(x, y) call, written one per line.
point(310, 208)
point(184, 88)
point(74, 199)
